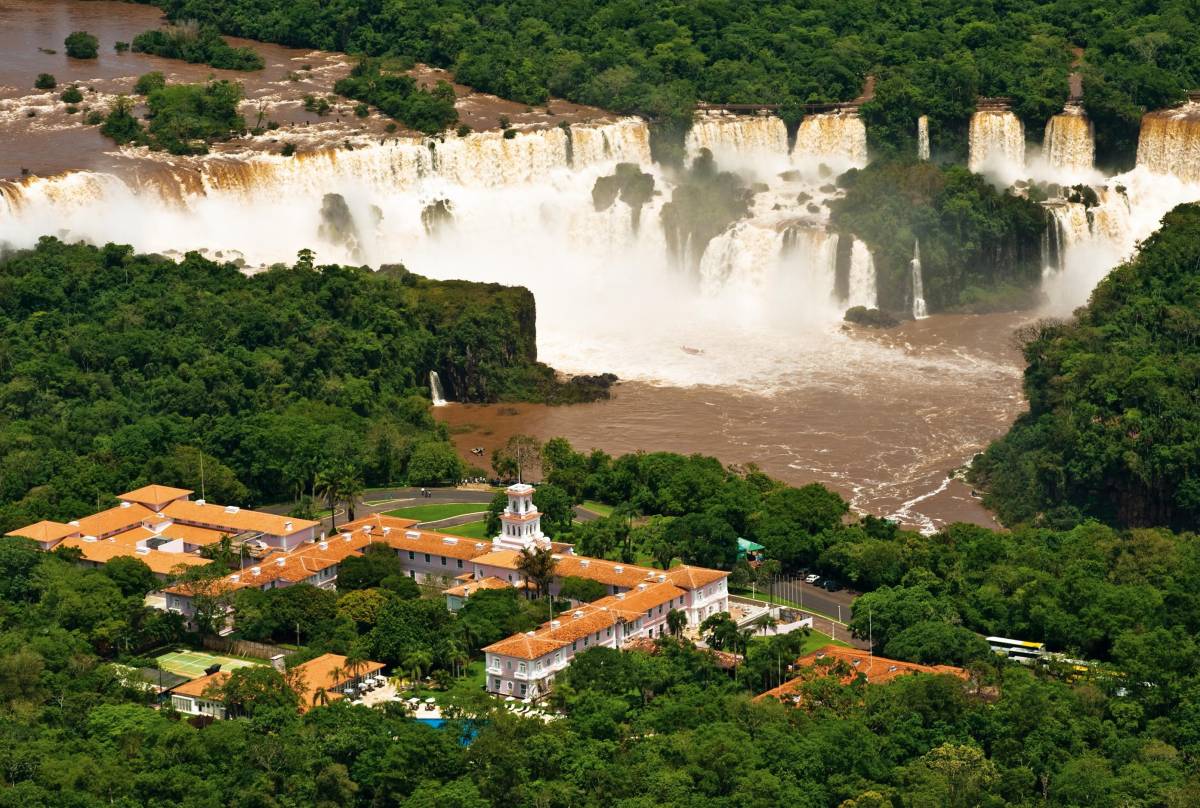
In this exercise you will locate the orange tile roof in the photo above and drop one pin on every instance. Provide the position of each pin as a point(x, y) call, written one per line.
point(133, 536)
point(401, 535)
point(319, 672)
point(103, 551)
point(694, 577)
point(192, 534)
point(591, 618)
point(113, 520)
point(505, 559)
point(197, 686)
point(612, 573)
point(155, 496)
point(468, 588)
point(875, 669)
point(236, 520)
point(299, 565)
point(45, 531)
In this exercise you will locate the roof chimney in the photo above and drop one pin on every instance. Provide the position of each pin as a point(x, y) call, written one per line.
point(201, 502)
point(578, 613)
point(555, 624)
point(124, 504)
point(235, 577)
point(255, 570)
point(618, 569)
point(324, 545)
point(281, 561)
point(287, 525)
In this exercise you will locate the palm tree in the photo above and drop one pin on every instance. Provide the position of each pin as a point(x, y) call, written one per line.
point(328, 488)
point(537, 565)
point(336, 675)
point(767, 622)
point(320, 696)
point(351, 489)
point(676, 622)
point(355, 663)
point(416, 663)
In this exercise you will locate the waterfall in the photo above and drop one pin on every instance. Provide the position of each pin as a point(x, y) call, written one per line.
point(862, 286)
point(1169, 142)
point(1069, 144)
point(436, 394)
point(923, 137)
point(997, 142)
point(838, 139)
point(732, 137)
point(918, 285)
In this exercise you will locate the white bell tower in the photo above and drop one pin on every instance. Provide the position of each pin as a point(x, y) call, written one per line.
point(520, 524)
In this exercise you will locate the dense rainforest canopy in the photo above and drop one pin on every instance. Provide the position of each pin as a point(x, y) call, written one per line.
point(980, 248)
point(1113, 428)
point(667, 728)
point(658, 58)
point(117, 368)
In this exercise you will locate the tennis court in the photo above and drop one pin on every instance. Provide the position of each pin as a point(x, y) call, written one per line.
point(192, 663)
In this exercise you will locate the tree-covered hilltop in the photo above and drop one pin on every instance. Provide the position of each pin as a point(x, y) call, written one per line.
point(980, 247)
point(118, 368)
point(659, 58)
point(1113, 428)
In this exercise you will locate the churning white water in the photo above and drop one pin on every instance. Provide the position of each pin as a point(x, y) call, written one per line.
point(514, 210)
point(997, 143)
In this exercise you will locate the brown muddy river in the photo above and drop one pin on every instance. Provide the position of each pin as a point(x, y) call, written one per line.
point(885, 442)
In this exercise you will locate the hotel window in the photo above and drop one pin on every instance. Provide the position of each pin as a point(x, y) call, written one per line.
point(585, 642)
point(538, 666)
point(496, 683)
point(557, 657)
point(521, 667)
point(575, 646)
point(649, 613)
point(523, 686)
point(443, 561)
point(608, 631)
point(412, 556)
point(460, 563)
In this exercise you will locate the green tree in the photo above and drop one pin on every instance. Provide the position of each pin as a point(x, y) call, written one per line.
point(557, 509)
point(537, 565)
point(582, 590)
point(82, 45)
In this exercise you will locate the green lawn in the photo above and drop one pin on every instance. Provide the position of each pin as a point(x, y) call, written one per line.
point(471, 530)
point(441, 510)
point(814, 641)
point(597, 507)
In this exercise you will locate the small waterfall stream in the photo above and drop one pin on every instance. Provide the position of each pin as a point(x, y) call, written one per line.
point(436, 393)
point(919, 311)
point(923, 137)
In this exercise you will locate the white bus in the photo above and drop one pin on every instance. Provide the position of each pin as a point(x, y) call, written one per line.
point(1018, 650)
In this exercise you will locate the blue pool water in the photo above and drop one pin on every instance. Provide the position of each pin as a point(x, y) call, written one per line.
point(433, 722)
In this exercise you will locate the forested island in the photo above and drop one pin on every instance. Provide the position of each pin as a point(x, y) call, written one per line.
point(119, 368)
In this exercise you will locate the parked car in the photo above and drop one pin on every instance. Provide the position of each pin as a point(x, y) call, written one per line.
point(831, 585)
point(812, 578)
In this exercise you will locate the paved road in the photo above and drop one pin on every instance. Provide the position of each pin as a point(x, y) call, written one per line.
point(806, 596)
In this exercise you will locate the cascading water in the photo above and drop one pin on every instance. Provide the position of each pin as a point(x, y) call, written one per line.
point(836, 139)
point(483, 207)
point(923, 137)
point(1069, 145)
point(436, 394)
point(1169, 142)
point(997, 143)
point(862, 284)
point(734, 138)
point(918, 285)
